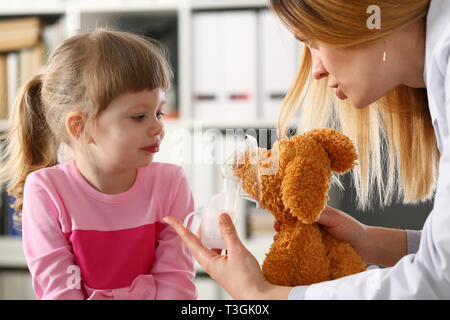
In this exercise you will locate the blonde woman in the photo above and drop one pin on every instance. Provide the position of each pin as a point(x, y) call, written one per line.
point(388, 88)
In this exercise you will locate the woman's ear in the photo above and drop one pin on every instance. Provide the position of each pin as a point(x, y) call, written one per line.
point(75, 126)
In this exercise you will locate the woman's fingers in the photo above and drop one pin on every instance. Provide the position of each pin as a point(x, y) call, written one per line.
point(229, 233)
point(200, 253)
point(328, 217)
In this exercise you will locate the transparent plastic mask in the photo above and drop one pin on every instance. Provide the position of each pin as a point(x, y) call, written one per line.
point(226, 199)
point(249, 145)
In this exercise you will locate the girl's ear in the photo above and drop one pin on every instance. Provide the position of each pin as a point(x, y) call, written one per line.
point(75, 126)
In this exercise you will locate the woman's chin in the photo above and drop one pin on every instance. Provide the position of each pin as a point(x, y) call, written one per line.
point(359, 104)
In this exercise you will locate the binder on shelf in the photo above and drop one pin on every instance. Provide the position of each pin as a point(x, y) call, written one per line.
point(278, 63)
point(19, 33)
point(205, 69)
point(224, 66)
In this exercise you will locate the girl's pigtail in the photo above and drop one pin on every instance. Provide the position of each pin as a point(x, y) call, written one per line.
point(28, 143)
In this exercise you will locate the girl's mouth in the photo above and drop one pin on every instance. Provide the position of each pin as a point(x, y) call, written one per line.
point(154, 148)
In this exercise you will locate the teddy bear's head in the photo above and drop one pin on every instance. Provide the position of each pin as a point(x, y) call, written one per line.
point(293, 178)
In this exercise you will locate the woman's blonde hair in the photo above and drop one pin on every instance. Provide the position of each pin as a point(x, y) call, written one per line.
point(84, 73)
point(395, 133)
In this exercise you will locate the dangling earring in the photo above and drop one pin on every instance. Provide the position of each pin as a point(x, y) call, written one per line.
point(384, 52)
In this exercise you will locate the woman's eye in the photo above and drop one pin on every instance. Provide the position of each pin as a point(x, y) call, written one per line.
point(308, 44)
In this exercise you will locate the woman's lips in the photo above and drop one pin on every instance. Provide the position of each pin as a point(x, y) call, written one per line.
point(152, 149)
point(339, 94)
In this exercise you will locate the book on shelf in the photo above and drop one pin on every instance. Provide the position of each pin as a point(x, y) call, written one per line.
point(3, 87)
point(16, 68)
point(23, 55)
point(19, 33)
point(7, 225)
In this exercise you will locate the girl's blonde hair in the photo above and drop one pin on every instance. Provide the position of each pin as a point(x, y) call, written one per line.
point(393, 134)
point(84, 73)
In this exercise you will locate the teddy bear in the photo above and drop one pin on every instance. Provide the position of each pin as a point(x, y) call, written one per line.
point(291, 181)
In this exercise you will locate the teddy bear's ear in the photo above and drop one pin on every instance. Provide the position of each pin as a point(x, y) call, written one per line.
point(339, 147)
point(304, 190)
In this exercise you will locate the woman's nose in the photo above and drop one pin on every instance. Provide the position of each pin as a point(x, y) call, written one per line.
point(318, 69)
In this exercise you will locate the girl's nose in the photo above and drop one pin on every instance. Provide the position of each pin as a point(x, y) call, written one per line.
point(155, 129)
point(318, 69)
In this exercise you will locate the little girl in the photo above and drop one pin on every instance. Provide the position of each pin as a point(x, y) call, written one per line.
point(92, 227)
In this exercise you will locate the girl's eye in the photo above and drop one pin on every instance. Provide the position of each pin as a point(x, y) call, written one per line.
point(159, 115)
point(139, 117)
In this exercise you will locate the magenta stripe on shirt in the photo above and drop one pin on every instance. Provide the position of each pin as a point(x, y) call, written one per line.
point(109, 259)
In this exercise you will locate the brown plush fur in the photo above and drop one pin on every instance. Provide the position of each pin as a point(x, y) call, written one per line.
point(295, 177)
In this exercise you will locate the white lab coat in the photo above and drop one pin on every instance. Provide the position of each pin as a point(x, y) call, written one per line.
point(426, 273)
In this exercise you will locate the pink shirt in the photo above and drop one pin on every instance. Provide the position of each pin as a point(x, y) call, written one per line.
point(116, 245)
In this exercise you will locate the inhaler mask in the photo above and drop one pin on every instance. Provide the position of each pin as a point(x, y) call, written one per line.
point(226, 200)
point(247, 146)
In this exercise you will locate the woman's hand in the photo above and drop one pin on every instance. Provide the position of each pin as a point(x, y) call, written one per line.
point(375, 245)
point(346, 228)
point(238, 272)
point(343, 227)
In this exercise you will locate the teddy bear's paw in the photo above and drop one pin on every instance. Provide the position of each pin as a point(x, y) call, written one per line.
point(343, 258)
point(297, 257)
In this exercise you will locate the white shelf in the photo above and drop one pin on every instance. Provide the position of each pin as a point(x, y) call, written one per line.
point(128, 6)
point(32, 7)
point(227, 4)
point(258, 124)
point(11, 253)
point(29, 7)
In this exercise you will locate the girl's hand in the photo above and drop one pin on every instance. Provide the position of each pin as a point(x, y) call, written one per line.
point(238, 272)
point(346, 228)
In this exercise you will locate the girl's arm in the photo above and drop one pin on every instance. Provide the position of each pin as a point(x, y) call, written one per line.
point(48, 254)
point(173, 268)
